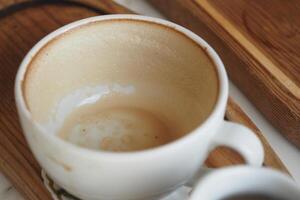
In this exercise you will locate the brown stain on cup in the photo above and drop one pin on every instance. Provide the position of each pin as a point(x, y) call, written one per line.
point(66, 167)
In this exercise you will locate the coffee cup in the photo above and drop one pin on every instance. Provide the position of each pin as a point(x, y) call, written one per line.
point(246, 183)
point(126, 107)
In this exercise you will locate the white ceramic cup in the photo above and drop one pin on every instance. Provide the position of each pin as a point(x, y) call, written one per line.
point(146, 174)
point(231, 181)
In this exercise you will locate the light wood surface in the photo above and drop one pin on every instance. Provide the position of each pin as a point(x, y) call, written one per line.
point(259, 44)
point(22, 24)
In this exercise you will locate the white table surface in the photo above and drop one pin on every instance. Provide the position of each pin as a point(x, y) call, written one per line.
point(288, 153)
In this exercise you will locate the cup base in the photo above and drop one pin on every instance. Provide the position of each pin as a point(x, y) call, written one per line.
point(58, 193)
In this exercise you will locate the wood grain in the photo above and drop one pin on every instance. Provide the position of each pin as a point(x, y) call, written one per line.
point(271, 26)
point(106, 6)
point(21, 26)
point(259, 47)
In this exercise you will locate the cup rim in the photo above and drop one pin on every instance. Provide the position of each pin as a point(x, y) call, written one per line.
point(213, 177)
point(218, 109)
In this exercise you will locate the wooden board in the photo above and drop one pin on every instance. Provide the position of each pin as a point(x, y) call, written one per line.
point(259, 42)
point(22, 24)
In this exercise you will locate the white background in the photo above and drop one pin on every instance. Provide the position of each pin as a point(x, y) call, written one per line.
point(288, 153)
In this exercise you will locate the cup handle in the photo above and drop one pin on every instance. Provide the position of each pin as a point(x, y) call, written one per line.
point(239, 138)
point(242, 140)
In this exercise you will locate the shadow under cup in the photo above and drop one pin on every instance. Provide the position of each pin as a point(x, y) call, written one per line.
point(120, 85)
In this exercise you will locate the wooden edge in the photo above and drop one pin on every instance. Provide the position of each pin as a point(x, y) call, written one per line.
point(235, 114)
point(108, 6)
point(260, 56)
point(7, 3)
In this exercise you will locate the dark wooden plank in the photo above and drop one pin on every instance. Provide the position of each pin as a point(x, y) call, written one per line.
point(272, 26)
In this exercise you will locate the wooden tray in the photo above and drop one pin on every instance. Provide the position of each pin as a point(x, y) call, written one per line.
point(259, 44)
point(22, 24)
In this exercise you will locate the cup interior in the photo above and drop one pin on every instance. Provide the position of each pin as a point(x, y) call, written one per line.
point(129, 66)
